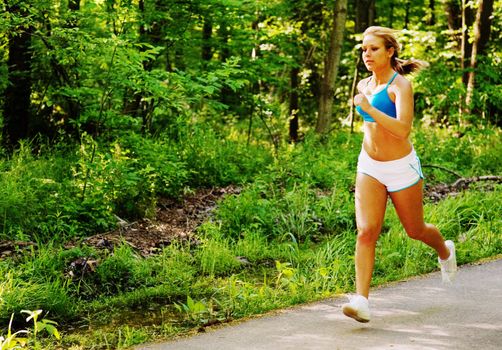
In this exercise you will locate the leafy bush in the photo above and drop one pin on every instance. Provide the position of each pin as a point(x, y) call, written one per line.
point(216, 160)
point(158, 162)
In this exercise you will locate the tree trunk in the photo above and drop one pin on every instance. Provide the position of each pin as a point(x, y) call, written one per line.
point(224, 36)
point(365, 15)
point(454, 18)
point(294, 105)
point(391, 15)
point(227, 95)
point(485, 9)
point(353, 93)
point(431, 20)
point(454, 15)
point(407, 14)
point(466, 46)
point(485, 25)
point(17, 114)
point(74, 106)
point(371, 13)
point(331, 64)
point(207, 33)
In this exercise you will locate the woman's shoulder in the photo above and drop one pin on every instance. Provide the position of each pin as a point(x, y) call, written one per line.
point(401, 83)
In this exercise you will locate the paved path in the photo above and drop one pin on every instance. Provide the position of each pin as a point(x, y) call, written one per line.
point(419, 314)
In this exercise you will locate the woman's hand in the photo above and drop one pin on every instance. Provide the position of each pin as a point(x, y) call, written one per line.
point(362, 101)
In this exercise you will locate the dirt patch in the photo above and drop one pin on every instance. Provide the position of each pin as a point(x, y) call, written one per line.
point(9, 248)
point(174, 221)
point(438, 192)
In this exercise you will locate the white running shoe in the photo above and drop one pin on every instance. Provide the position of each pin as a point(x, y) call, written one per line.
point(357, 308)
point(449, 266)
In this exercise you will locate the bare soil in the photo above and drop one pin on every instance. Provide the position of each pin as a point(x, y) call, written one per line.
point(174, 221)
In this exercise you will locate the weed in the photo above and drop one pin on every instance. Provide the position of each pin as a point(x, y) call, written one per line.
point(14, 341)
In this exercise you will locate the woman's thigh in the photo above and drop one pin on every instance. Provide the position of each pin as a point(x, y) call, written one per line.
point(370, 201)
point(409, 207)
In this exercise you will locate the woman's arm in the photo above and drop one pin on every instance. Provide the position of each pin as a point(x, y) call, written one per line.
point(401, 125)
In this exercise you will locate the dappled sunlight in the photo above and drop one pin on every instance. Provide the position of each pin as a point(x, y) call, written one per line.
point(395, 313)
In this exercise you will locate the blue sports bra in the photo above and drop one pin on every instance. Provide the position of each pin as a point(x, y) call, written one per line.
point(380, 101)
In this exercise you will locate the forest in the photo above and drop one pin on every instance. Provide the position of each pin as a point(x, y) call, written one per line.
point(170, 165)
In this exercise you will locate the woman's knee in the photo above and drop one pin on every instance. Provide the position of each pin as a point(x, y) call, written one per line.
point(417, 232)
point(368, 234)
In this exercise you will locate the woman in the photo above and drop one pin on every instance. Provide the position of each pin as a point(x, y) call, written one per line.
point(388, 164)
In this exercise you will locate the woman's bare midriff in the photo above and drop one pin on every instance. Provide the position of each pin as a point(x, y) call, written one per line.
point(381, 145)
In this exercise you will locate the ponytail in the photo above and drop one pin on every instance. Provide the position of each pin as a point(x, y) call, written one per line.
point(404, 67)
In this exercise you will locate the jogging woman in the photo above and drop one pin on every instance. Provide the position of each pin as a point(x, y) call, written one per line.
point(388, 164)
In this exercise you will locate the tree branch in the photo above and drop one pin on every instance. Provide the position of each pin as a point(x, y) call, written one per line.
point(442, 168)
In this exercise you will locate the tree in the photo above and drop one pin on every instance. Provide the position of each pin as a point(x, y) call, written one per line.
point(331, 64)
point(431, 20)
point(365, 15)
point(207, 33)
point(481, 34)
point(294, 105)
point(17, 113)
point(466, 46)
point(453, 13)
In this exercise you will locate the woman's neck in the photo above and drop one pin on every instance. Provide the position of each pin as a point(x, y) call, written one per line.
point(383, 76)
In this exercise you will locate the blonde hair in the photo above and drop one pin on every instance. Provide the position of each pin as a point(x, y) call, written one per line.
point(401, 66)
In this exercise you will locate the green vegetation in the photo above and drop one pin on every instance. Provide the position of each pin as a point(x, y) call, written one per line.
point(287, 238)
point(112, 108)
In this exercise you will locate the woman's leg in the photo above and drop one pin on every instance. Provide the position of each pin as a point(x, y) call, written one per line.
point(409, 208)
point(371, 201)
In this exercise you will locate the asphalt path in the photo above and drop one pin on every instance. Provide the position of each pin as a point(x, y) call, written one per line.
point(418, 314)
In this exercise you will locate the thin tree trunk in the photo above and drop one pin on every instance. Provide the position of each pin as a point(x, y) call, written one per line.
point(353, 93)
point(224, 35)
point(371, 13)
point(17, 114)
point(407, 14)
point(485, 8)
point(207, 33)
point(74, 106)
point(466, 46)
point(331, 64)
point(391, 15)
point(294, 105)
point(431, 20)
point(227, 95)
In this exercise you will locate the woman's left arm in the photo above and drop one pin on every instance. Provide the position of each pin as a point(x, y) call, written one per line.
point(401, 125)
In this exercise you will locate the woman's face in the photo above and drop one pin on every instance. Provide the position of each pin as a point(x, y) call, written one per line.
point(375, 55)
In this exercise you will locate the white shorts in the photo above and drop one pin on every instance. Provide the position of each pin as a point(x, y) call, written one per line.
point(396, 175)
